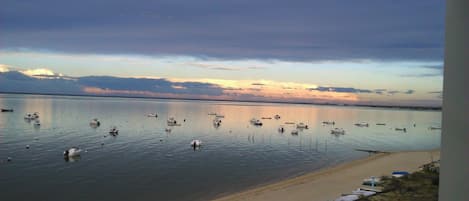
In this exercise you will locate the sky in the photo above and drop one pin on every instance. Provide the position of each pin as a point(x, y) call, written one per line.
point(337, 51)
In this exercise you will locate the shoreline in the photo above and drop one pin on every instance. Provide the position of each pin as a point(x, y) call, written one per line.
point(329, 183)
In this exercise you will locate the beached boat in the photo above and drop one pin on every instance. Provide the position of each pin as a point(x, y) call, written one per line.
point(399, 174)
point(362, 124)
point(6, 110)
point(372, 181)
point(302, 126)
point(338, 131)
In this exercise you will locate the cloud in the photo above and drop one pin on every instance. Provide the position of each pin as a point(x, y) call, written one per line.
point(257, 84)
point(4, 68)
point(222, 67)
point(340, 89)
point(305, 30)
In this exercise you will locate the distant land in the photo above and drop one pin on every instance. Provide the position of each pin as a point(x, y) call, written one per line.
point(243, 101)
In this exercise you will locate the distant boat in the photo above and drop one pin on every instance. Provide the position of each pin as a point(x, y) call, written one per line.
point(434, 128)
point(32, 116)
point(37, 123)
point(302, 126)
point(114, 131)
point(167, 130)
point(288, 122)
point(7, 110)
point(281, 129)
point(212, 113)
point(266, 118)
point(339, 131)
point(380, 124)
point(95, 123)
point(328, 122)
point(72, 152)
point(256, 122)
point(152, 115)
point(196, 143)
point(220, 116)
point(277, 116)
point(171, 121)
point(401, 129)
point(217, 122)
point(362, 124)
point(294, 132)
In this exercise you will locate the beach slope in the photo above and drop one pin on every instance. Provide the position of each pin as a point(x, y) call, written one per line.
point(330, 183)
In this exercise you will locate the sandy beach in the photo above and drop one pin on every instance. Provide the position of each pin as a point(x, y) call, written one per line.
point(330, 183)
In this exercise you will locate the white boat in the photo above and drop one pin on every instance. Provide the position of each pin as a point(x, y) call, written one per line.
point(362, 124)
point(72, 152)
point(196, 143)
point(372, 181)
point(37, 123)
point(95, 122)
point(302, 126)
point(171, 121)
point(256, 122)
point(32, 116)
point(152, 115)
point(339, 131)
point(281, 129)
point(216, 122)
point(294, 132)
point(277, 116)
point(328, 122)
point(114, 131)
point(401, 129)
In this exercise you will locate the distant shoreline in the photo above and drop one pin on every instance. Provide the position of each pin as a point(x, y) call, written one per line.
point(421, 108)
point(329, 183)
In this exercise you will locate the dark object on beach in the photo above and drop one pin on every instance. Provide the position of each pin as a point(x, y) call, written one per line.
point(7, 110)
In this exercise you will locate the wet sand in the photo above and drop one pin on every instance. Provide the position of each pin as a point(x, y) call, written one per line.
point(329, 183)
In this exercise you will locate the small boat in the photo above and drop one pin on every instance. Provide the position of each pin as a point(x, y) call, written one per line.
point(398, 174)
point(217, 122)
point(281, 129)
point(171, 121)
point(220, 116)
point(266, 118)
point(302, 126)
point(362, 124)
point(168, 130)
point(380, 124)
point(95, 123)
point(7, 110)
point(288, 122)
point(37, 123)
point(256, 122)
point(196, 143)
point(212, 113)
point(113, 131)
point(152, 115)
point(328, 122)
point(277, 116)
point(401, 129)
point(294, 132)
point(72, 152)
point(339, 131)
point(434, 128)
point(30, 116)
point(372, 181)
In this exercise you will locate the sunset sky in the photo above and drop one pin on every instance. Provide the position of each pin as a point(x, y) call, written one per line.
point(371, 52)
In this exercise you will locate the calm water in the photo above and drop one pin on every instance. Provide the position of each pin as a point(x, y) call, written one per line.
point(146, 163)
